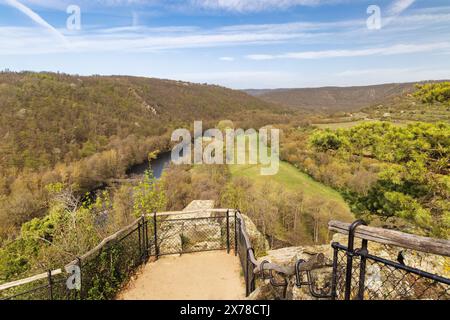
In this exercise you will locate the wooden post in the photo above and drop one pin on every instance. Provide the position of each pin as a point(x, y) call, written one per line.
point(50, 284)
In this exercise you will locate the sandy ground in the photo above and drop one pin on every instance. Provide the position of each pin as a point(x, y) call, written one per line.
point(200, 276)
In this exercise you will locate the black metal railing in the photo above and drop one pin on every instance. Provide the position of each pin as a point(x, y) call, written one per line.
point(356, 273)
point(244, 250)
point(104, 269)
point(101, 271)
point(359, 275)
point(178, 234)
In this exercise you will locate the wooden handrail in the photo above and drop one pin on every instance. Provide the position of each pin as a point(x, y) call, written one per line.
point(29, 279)
point(395, 238)
point(101, 245)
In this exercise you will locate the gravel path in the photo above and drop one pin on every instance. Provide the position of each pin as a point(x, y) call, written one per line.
point(199, 276)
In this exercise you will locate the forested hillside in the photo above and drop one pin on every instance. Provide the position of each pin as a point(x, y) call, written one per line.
point(334, 99)
point(428, 103)
point(82, 131)
point(395, 176)
point(47, 118)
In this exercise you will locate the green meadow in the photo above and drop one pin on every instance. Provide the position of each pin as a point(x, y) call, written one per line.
point(290, 178)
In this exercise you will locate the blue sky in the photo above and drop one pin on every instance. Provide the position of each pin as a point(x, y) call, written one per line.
point(234, 43)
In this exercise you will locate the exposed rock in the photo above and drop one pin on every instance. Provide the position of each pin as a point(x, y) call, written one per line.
point(191, 235)
point(381, 282)
point(259, 242)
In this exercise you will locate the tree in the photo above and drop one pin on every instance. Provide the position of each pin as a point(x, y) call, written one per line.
point(148, 196)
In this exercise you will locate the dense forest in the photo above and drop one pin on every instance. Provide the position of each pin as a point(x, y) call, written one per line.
point(82, 131)
point(392, 173)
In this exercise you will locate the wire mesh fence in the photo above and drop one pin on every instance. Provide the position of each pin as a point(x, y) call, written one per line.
point(359, 275)
point(105, 269)
point(51, 287)
point(169, 235)
point(105, 272)
point(356, 274)
point(102, 271)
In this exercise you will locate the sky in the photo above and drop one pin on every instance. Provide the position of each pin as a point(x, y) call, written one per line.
point(239, 44)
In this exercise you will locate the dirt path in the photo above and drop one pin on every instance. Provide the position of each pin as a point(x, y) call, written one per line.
point(199, 276)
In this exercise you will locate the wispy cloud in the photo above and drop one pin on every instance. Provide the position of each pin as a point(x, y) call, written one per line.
point(256, 5)
point(228, 59)
point(148, 39)
point(62, 4)
point(36, 18)
point(398, 6)
point(384, 51)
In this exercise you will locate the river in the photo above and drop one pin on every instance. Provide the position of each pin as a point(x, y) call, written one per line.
point(158, 165)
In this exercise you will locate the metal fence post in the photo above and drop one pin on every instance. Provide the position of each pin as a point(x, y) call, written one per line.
point(362, 270)
point(139, 239)
point(50, 284)
point(81, 278)
point(350, 255)
point(246, 275)
point(235, 233)
point(252, 275)
point(145, 236)
point(143, 245)
point(334, 275)
point(155, 230)
point(228, 231)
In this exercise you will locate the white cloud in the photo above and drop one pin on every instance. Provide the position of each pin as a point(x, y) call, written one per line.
point(146, 39)
point(256, 5)
point(398, 6)
point(62, 4)
point(36, 18)
point(391, 50)
point(229, 59)
point(33, 41)
point(260, 57)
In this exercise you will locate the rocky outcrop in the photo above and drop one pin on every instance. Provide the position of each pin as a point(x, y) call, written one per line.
point(189, 232)
point(259, 242)
point(381, 282)
point(203, 230)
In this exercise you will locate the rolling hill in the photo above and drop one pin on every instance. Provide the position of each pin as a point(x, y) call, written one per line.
point(47, 118)
point(334, 99)
point(83, 131)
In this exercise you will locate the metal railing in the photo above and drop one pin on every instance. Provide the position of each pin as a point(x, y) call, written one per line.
point(104, 269)
point(359, 275)
point(356, 274)
point(183, 233)
point(246, 253)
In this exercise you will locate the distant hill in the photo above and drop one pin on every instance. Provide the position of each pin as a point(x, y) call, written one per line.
point(48, 118)
point(334, 99)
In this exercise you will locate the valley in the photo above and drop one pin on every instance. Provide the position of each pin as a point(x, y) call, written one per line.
point(66, 135)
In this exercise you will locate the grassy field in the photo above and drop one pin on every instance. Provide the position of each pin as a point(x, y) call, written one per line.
point(351, 124)
point(290, 178)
